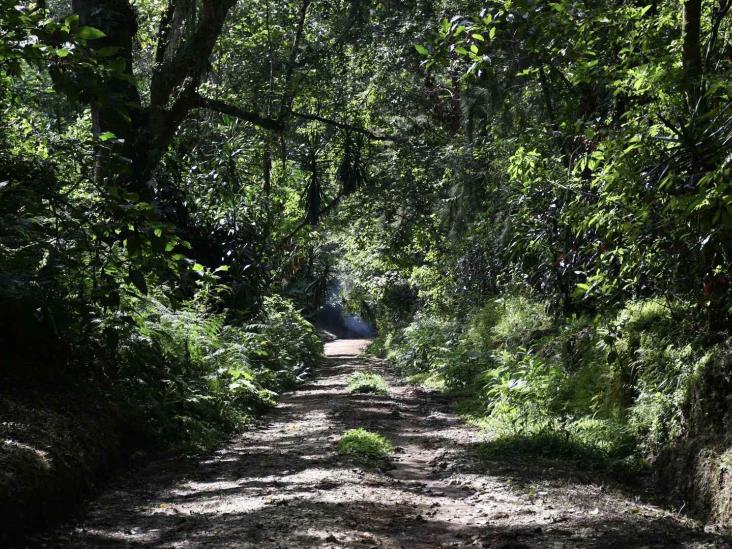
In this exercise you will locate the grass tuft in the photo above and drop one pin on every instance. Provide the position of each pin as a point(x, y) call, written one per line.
point(367, 382)
point(365, 446)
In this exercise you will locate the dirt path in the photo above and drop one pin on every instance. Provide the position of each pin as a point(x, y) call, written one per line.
point(285, 486)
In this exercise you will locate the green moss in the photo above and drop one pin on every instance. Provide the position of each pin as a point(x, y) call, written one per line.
point(367, 382)
point(365, 446)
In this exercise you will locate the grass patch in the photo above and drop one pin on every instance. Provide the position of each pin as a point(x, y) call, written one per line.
point(367, 382)
point(428, 380)
point(557, 446)
point(365, 446)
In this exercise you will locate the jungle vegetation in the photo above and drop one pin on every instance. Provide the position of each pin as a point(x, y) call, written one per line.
point(530, 199)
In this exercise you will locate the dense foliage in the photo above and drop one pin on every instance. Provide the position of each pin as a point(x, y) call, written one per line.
point(530, 199)
point(550, 234)
point(152, 229)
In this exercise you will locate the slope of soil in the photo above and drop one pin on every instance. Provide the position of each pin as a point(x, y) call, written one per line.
point(284, 485)
point(56, 442)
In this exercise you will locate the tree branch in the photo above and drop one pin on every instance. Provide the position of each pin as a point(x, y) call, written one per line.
point(180, 70)
point(164, 32)
point(718, 15)
point(343, 125)
point(216, 105)
point(290, 68)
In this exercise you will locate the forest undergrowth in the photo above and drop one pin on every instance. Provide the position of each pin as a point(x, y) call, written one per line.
point(610, 394)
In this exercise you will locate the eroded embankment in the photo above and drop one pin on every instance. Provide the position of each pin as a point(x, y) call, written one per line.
point(55, 445)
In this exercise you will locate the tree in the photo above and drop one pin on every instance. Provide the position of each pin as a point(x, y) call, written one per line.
point(140, 134)
point(691, 57)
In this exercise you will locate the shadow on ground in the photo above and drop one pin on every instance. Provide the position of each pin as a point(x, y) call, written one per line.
point(285, 485)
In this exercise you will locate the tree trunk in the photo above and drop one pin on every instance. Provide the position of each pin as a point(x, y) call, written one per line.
point(691, 58)
point(115, 100)
point(186, 39)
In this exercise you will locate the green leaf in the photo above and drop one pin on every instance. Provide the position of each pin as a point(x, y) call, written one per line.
point(198, 268)
point(106, 136)
point(62, 52)
point(90, 33)
point(108, 51)
point(478, 37)
point(581, 290)
point(421, 49)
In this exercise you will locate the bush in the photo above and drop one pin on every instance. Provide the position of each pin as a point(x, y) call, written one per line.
point(189, 377)
point(421, 344)
point(292, 342)
point(618, 385)
point(519, 321)
point(365, 446)
point(367, 382)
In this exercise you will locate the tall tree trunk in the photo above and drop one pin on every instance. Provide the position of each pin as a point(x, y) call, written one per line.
point(691, 58)
point(115, 100)
point(186, 38)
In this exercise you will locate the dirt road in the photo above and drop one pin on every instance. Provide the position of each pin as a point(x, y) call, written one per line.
point(284, 485)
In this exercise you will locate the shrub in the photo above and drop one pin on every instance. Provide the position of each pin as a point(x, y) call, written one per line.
point(421, 344)
point(367, 382)
point(519, 321)
point(524, 388)
point(292, 341)
point(189, 377)
point(617, 385)
point(365, 446)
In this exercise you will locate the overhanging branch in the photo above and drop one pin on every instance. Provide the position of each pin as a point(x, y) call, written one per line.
point(342, 125)
point(237, 112)
point(274, 124)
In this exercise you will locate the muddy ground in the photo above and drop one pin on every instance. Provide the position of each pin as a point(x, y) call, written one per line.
point(284, 485)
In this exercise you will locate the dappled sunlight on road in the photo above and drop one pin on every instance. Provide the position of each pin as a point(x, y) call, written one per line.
point(284, 485)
